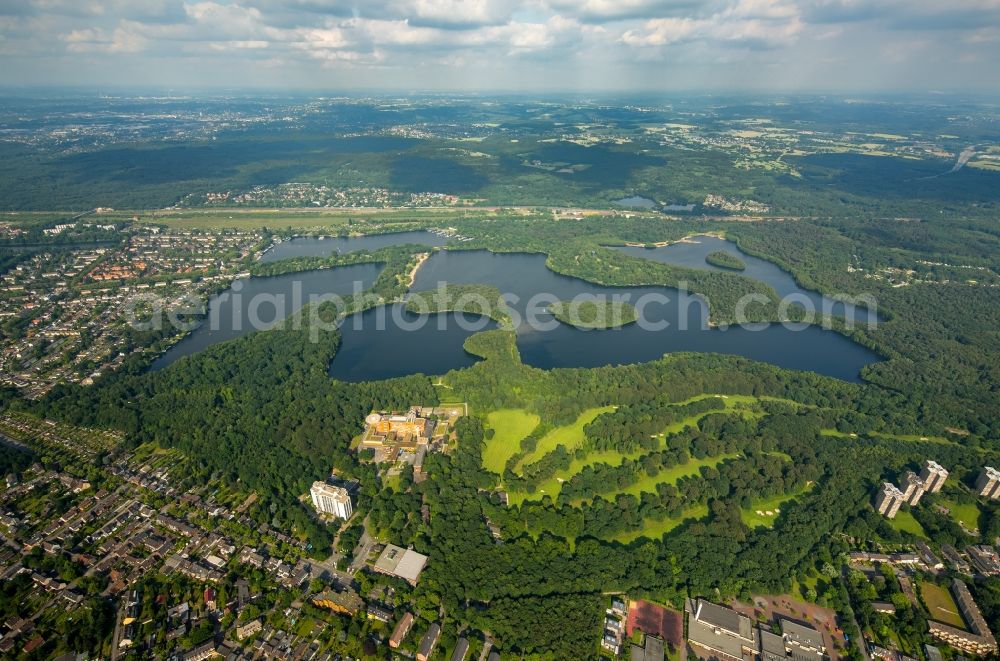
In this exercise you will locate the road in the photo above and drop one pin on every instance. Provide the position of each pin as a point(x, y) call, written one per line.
point(362, 550)
point(117, 636)
point(860, 643)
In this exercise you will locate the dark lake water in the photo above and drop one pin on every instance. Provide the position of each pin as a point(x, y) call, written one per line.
point(311, 246)
point(636, 202)
point(389, 342)
point(379, 351)
point(234, 312)
point(692, 255)
point(408, 343)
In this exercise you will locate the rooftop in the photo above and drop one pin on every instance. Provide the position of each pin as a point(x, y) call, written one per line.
point(802, 635)
point(404, 563)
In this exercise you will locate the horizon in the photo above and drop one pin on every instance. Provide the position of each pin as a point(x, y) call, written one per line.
point(210, 92)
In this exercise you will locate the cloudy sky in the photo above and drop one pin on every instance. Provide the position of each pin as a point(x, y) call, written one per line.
point(531, 45)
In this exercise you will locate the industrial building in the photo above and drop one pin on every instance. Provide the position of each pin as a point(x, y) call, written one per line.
point(726, 634)
point(401, 563)
point(721, 631)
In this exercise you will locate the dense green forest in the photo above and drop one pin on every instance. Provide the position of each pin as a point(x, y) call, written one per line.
point(585, 313)
point(479, 300)
point(725, 260)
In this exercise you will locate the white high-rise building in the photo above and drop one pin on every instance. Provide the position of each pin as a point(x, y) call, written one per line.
point(331, 500)
point(912, 488)
point(933, 476)
point(988, 484)
point(888, 500)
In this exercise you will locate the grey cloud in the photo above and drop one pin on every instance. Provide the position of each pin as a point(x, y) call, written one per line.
point(142, 10)
point(428, 42)
point(446, 14)
point(602, 11)
point(905, 14)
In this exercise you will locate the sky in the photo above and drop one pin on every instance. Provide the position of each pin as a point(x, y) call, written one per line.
point(505, 45)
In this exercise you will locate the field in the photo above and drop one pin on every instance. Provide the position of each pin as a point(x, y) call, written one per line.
point(648, 483)
point(940, 605)
point(904, 522)
point(509, 426)
point(570, 436)
point(908, 438)
point(553, 485)
point(656, 529)
point(757, 514)
point(964, 513)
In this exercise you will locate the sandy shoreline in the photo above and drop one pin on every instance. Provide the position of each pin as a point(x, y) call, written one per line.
point(416, 267)
point(690, 238)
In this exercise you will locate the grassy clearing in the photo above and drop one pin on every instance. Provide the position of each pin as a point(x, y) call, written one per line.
point(553, 485)
point(909, 438)
point(670, 476)
point(940, 605)
point(570, 436)
point(656, 529)
point(509, 426)
point(904, 522)
point(391, 482)
point(753, 519)
point(965, 513)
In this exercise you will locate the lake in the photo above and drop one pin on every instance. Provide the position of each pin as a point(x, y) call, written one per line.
point(230, 314)
point(692, 252)
point(389, 342)
point(636, 202)
point(391, 350)
point(312, 246)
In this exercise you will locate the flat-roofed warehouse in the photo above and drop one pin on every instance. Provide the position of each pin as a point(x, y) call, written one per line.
point(726, 633)
point(401, 563)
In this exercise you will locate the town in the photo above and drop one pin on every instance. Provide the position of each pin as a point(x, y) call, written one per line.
point(64, 310)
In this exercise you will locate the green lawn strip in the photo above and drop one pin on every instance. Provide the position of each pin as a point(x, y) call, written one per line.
point(391, 482)
point(940, 605)
point(904, 522)
point(773, 504)
point(570, 436)
point(669, 476)
point(509, 426)
point(655, 529)
point(553, 485)
point(967, 513)
point(910, 438)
